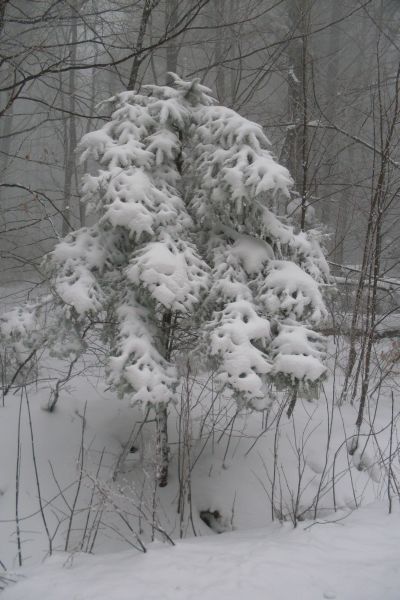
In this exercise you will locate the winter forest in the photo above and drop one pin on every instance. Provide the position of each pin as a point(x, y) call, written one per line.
point(200, 299)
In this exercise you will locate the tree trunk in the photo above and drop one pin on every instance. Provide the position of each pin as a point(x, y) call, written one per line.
point(5, 128)
point(219, 53)
point(332, 73)
point(70, 174)
point(172, 50)
point(137, 60)
point(162, 448)
point(296, 148)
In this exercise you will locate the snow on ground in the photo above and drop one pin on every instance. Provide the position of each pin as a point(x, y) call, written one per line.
point(355, 557)
point(350, 555)
point(232, 473)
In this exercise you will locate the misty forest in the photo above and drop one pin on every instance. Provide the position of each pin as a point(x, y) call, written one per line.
point(200, 299)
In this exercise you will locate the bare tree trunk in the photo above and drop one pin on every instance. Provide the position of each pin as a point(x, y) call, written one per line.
point(5, 128)
point(70, 175)
point(330, 158)
point(146, 13)
point(162, 448)
point(219, 52)
point(171, 20)
point(343, 214)
point(296, 151)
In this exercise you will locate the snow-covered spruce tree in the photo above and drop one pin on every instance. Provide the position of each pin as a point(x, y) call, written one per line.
point(264, 296)
point(137, 268)
point(186, 237)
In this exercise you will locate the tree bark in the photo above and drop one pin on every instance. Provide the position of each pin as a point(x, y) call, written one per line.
point(162, 448)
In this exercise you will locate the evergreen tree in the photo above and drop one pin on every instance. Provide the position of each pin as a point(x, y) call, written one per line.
point(264, 295)
point(187, 239)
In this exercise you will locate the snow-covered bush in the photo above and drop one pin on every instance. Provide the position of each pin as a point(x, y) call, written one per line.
point(186, 253)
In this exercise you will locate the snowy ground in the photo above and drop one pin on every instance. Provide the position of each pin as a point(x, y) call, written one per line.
point(349, 554)
point(354, 558)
